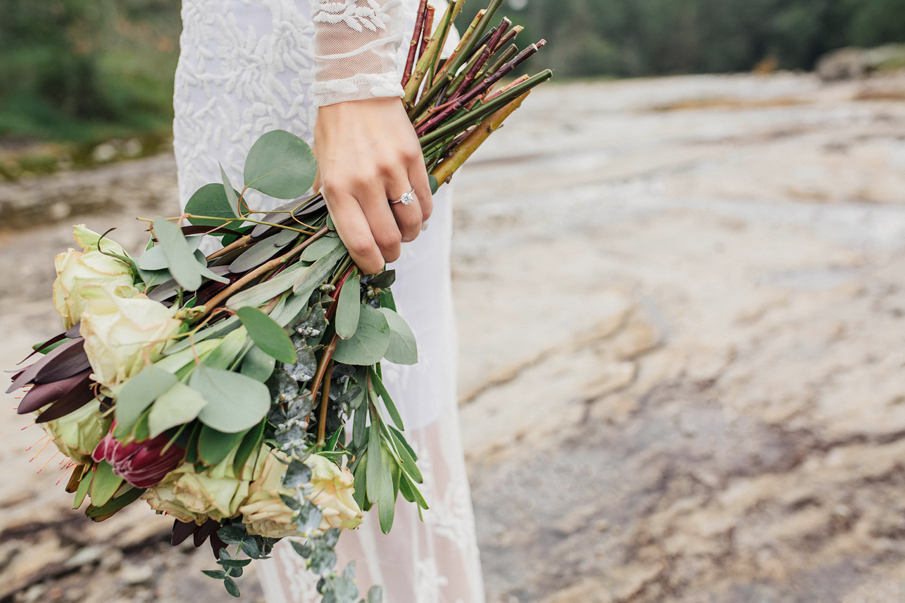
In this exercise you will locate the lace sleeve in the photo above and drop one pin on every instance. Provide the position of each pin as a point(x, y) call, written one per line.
point(355, 49)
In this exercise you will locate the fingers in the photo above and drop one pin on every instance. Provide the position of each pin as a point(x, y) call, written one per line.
point(417, 175)
point(384, 229)
point(317, 176)
point(408, 217)
point(353, 229)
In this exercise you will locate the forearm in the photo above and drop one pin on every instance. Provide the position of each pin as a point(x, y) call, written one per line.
point(355, 50)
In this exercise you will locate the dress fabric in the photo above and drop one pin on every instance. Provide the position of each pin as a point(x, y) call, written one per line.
point(250, 66)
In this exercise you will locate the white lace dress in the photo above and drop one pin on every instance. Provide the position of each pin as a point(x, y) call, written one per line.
point(251, 66)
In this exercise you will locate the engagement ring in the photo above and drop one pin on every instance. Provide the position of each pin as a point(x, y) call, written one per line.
point(406, 198)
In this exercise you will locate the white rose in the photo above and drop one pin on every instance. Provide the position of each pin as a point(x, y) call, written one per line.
point(77, 269)
point(265, 513)
point(122, 335)
point(89, 241)
point(333, 489)
point(214, 493)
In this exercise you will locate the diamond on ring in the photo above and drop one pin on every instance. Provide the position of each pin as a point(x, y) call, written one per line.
point(406, 198)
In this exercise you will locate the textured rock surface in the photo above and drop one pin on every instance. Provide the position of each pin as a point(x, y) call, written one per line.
point(681, 306)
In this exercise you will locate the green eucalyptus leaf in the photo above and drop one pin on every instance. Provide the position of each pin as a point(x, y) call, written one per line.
point(315, 275)
point(231, 587)
point(266, 291)
point(249, 445)
point(137, 394)
point(386, 299)
point(402, 349)
point(284, 237)
point(234, 562)
point(375, 594)
point(154, 278)
point(216, 330)
point(211, 200)
point(179, 255)
point(435, 186)
point(291, 312)
point(153, 259)
point(178, 405)
point(225, 354)
point(210, 274)
point(383, 280)
point(320, 248)
point(349, 307)
point(256, 255)
point(258, 364)
point(230, 193)
point(369, 343)
point(234, 402)
point(181, 362)
point(281, 165)
point(301, 548)
point(191, 447)
point(214, 446)
point(267, 334)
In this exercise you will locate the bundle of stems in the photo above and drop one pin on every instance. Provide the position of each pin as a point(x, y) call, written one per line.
point(446, 99)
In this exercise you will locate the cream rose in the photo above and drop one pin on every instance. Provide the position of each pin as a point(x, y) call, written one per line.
point(121, 335)
point(333, 489)
point(77, 434)
point(215, 493)
point(78, 269)
point(265, 513)
point(89, 240)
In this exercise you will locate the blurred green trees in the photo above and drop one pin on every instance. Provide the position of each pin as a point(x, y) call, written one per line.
point(88, 69)
point(653, 37)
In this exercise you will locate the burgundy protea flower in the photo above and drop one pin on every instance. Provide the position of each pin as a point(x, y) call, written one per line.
point(142, 464)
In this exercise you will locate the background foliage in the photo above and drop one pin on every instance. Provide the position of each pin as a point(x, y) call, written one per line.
point(85, 70)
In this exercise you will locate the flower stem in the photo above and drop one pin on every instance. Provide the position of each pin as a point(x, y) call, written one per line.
point(469, 145)
point(262, 269)
point(427, 59)
point(473, 117)
point(325, 399)
point(413, 45)
point(321, 369)
point(237, 244)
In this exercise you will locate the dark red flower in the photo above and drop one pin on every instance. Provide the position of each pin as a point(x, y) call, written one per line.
point(142, 464)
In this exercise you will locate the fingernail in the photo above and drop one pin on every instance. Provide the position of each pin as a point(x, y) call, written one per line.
point(407, 239)
point(424, 226)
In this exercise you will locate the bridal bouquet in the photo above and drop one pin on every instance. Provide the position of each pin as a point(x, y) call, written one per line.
point(241, 392)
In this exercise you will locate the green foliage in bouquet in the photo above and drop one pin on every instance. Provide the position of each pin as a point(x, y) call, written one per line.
point(242, 392)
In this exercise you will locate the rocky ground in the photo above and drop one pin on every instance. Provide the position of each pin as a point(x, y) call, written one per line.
point(681, 306)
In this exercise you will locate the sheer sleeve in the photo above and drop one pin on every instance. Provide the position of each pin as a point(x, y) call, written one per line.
point(355, 48)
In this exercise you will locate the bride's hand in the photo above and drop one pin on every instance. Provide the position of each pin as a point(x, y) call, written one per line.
point(367, 152)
